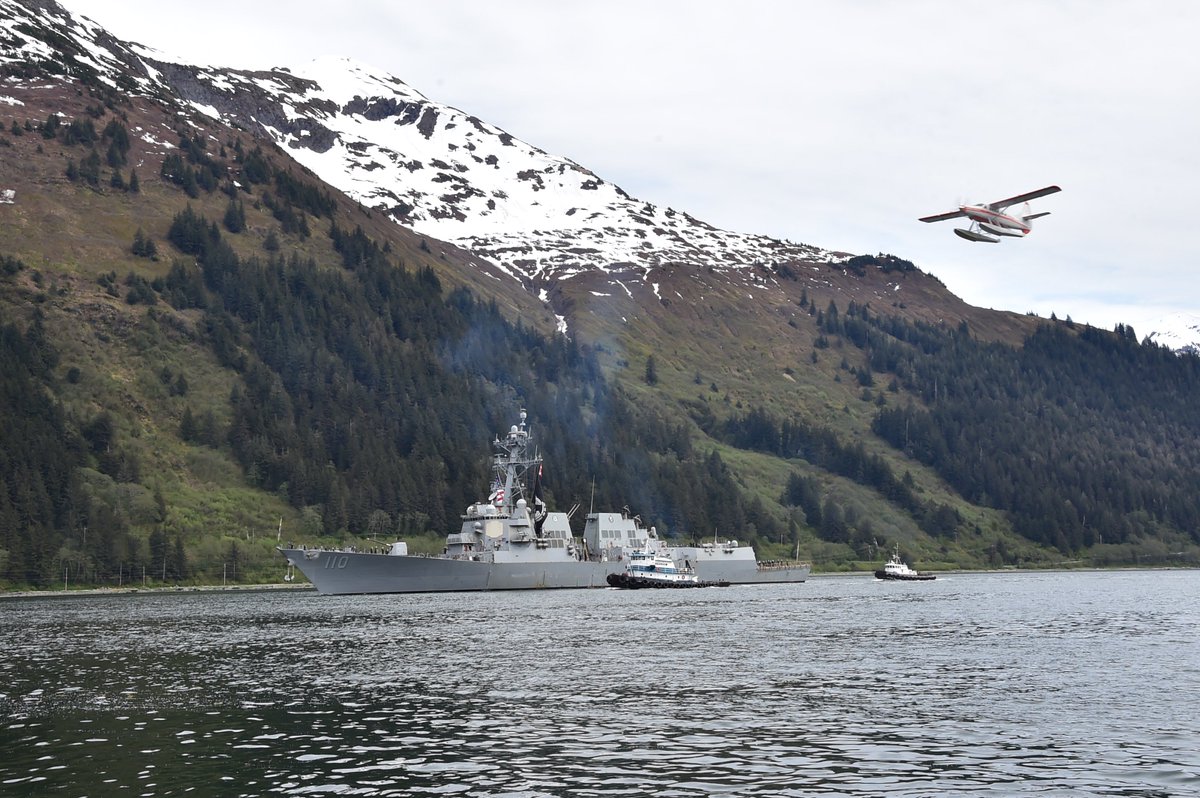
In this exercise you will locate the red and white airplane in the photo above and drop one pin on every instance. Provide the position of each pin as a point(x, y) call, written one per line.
point(990, 221)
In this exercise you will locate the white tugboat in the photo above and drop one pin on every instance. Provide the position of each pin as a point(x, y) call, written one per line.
point(510, 541)
point(895, 568)
point(653, 567)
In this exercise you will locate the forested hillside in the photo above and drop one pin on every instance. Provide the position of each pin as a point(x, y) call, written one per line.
point(366, 397)
point(205, 348)
point(1085, 438)
point(363, 393)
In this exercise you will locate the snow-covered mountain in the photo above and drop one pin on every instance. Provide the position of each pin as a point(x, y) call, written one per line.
point(1179, 332)
point(456, 178)
point(41, 37)
point(437, 170)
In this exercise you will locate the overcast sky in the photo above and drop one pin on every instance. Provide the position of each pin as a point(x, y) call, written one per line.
point(834, 123)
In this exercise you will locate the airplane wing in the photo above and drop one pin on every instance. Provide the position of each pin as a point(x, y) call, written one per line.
point(941, 217)
point(1041, 192)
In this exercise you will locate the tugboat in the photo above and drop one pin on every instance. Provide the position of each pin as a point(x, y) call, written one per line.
point(897, 569)
point(651, 567)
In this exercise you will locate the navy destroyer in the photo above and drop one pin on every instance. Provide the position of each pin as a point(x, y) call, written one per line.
point(510, 541)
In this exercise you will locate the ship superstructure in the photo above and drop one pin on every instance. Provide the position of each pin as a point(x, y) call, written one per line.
point(511, 541)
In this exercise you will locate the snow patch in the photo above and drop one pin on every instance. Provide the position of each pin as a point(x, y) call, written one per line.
point(207, 110)
point(150, 139)
point(1179, 332)
point(434, 169)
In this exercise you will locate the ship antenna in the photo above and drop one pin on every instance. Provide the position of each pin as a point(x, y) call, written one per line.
point(592, 500)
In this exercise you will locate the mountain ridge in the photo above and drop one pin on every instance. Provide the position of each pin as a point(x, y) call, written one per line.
point(451, 176)
point(626, 239)
point(443, 173)
point(714, 391)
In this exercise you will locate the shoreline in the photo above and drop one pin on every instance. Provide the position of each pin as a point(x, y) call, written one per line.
point(308, 586)
point(131, 591)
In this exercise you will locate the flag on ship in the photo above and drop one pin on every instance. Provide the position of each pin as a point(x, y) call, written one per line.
point(539, 504)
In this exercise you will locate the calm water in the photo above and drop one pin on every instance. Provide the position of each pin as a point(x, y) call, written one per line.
point(1046, 684)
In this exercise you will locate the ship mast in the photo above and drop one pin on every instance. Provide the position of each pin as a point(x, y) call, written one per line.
point(512, 463)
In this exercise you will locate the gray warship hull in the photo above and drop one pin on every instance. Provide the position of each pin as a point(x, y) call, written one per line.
point(343, 572)
point(340, 572)
point(732, 562)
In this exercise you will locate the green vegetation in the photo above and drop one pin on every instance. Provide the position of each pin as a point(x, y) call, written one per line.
point(227, 352)
point(1076, 436)
point(360, 397)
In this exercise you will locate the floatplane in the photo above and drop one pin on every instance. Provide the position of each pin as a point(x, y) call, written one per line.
point(992, 220)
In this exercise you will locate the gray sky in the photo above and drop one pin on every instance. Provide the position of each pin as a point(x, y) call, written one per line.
point(828, 123)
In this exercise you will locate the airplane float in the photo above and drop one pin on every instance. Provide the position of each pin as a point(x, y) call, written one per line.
point(991, 220)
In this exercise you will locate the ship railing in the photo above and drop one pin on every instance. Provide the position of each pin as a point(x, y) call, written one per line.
point(780, 565)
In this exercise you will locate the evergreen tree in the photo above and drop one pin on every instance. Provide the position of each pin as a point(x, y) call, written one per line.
point(187, 425)
point(255, 167)
point(833, 523)
point(178, 564)
point(142, 246)
point(118, 136)
point(89, 168)
point(235, 216)
point(80, 131)
point(114, 157)
point(157, 544)
point(50, 126)
point(209, 432)
point(232, 567)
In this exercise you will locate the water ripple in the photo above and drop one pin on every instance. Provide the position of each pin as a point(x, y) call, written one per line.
point(1048, 684)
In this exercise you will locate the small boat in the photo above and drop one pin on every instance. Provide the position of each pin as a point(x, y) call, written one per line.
point(652, 567)
point(897, 569)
